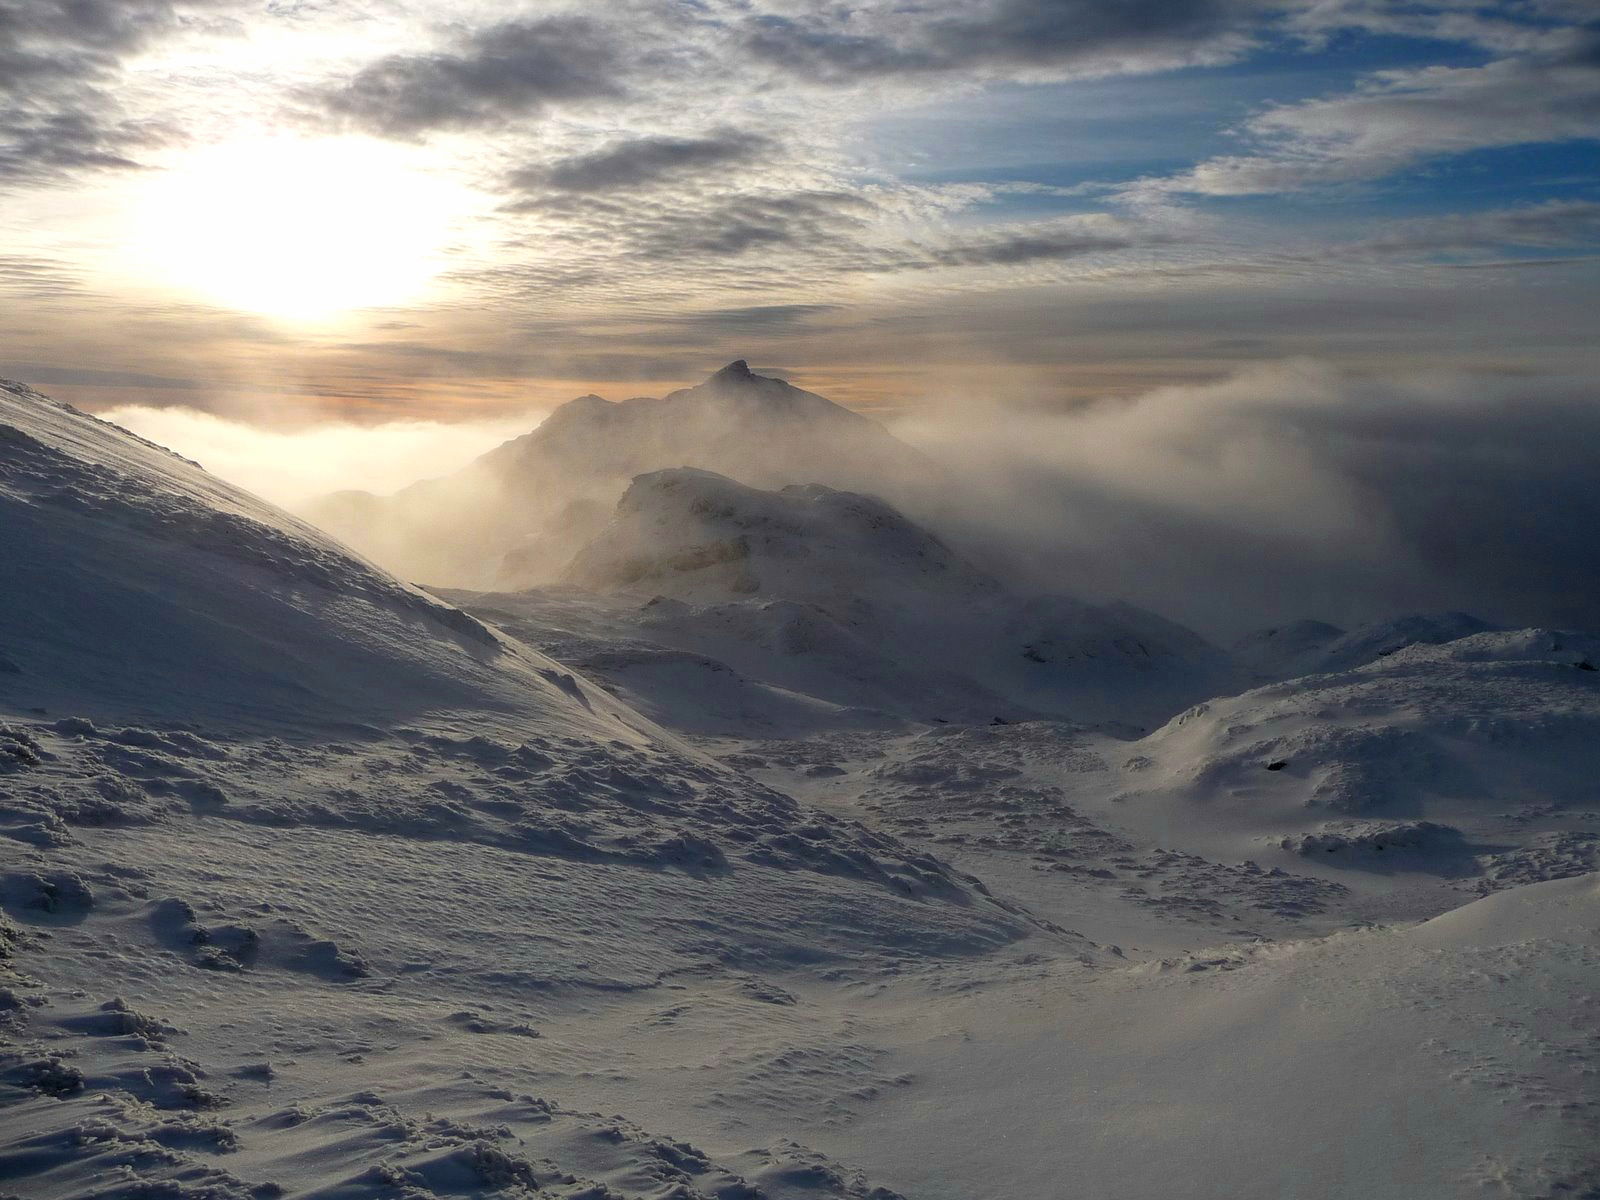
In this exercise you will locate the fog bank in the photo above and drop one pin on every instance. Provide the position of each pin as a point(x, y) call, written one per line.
point(290, 467)
point(1294, 489)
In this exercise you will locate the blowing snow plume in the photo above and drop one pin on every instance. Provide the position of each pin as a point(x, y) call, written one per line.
point(1293, 489)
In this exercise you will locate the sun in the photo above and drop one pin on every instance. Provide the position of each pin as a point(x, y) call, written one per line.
point(298, 229)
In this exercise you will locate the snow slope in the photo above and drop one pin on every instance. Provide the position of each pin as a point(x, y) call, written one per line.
point(137, 585)
point(518, 514)
point(1474, 759)
point(1451, 1059)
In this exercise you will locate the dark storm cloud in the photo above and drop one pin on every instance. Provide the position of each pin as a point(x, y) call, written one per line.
point(57, 59)
point(640, 161)
point(1092, 36)
point(489, 76)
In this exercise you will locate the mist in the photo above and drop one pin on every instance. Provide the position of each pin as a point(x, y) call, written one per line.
point(291, 467)
point(1288, 490)
point(1291, 490)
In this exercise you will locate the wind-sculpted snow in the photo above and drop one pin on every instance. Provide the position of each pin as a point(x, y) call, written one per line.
point(513, 752)
point(250, 967)
point(274, 823)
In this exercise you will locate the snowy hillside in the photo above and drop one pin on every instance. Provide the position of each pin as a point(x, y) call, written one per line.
point(518, 514)
point(136, 584)
point(1314, 647)
point(1476, 758)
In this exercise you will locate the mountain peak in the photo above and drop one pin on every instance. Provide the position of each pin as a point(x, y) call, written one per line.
point(738, 369)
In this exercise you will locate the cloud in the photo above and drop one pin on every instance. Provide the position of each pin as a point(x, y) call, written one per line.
point(292, 466)
point(58, 60)
point(754, 318)
point(40, 374)
point(1043, 241)
point(1296, 489)
point(1548, 92)
point(874, 41)
point(736, 233)
point(36, 277)
point(638, 162)
point(712, 237)
point(1552, 225)
point(486, 77)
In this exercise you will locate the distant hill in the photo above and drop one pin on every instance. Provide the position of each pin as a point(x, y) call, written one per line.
point(839, 597)
point(517, 515)
point(1315, 647)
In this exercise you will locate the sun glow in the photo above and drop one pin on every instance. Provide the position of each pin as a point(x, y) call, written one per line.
point(298, 229)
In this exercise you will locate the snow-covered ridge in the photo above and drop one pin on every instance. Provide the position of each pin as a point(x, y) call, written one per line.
point(160, 622)
point(1315, 647)
point(313, 887)
point(694, 534)
point(139, 585)
point(67, 459)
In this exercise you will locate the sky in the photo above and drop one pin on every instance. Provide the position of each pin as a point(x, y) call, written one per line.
point(291, 212)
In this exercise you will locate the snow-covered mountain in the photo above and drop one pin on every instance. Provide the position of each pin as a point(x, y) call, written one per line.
point(694, 535)
point(838, 597)
point(312, 885)
point(518, 514)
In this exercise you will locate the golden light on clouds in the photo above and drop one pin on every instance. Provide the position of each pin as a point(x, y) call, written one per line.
point(297, 229)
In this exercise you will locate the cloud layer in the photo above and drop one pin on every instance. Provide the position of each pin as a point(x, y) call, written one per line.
point(1294, 490)
point(291, 466)
point(883, 192)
